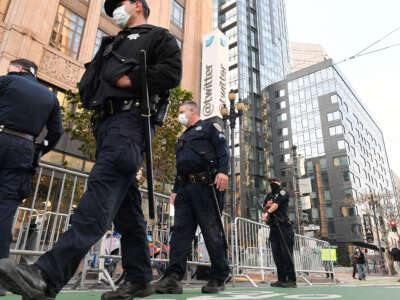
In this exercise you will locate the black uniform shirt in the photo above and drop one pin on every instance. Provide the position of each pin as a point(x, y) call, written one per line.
point(27, 106)
point(281, 198)
point(163, 58)
point(207, 137)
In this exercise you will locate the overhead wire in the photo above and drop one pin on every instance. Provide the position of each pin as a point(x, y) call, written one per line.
point(361, 53)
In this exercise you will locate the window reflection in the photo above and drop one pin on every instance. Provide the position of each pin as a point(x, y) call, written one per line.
point(67, 32)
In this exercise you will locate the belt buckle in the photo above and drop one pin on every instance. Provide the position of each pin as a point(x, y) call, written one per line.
point(1, 128)
point(126, 105)
point(192, 179)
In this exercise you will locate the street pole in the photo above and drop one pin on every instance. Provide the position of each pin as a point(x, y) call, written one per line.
point(233, 175)
point(232, 116)
point(377, 233)
point(295, 188)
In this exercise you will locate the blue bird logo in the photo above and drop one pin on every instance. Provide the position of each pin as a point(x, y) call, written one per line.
point(210, 41)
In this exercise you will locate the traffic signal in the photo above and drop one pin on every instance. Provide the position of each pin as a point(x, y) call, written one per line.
point(393, 225)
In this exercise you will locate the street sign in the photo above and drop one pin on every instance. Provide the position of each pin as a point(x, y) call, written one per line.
point(368, 229)
point(305, 202)
point(305, 186)
point(214, 76)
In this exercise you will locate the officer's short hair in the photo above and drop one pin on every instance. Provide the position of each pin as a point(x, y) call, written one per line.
point(193, 105)
point(27, 65)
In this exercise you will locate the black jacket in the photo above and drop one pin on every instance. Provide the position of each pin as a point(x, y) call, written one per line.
point(27, 106)
point(359, 258)
point(119, 55)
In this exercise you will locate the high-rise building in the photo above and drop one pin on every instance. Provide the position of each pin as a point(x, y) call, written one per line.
point(317, 110)
point(62, 35)
point(258, 56)
point(304, 55)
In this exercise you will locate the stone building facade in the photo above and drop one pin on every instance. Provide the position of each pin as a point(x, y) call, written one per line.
point(60, 36)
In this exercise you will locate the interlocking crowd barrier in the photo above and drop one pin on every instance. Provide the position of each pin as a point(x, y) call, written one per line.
point(44, 216)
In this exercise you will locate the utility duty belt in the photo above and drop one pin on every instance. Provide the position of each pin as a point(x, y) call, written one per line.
point(275, 219)
point(197, 178)
point(112, 107)
point(8, 131)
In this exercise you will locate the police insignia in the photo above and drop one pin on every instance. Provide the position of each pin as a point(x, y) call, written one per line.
point(217, 126)
point(198, 128)
point(283, 193)
point(133, 36)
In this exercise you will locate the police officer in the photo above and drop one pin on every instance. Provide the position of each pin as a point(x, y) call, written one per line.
point(112, 193)
point(193, 201)
point(275, 213)
point(26, 107)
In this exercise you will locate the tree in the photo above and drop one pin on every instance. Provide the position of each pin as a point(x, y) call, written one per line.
point(78, 126)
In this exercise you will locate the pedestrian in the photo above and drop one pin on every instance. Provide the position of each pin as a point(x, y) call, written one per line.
point(112, 193)
point(275, 213)
point(26, 107)
point(360, 261)
point(354, 264)
point(193, 200)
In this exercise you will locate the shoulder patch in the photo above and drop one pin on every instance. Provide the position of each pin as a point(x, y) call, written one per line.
point(198, 128)
point(217, 126)
point(282, 192)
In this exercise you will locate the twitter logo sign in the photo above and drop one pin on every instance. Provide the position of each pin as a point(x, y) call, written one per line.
point(210, 41)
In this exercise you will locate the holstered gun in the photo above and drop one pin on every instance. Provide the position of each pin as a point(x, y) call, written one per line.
point(39, 150)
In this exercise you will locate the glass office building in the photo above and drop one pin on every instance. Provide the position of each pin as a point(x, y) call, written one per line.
point(317, 110)
point(258, 56)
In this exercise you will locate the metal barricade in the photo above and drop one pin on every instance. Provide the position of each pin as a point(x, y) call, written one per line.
point(253, 252)
point(44, 216)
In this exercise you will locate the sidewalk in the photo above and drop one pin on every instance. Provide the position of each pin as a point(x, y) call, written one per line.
point(304, 293)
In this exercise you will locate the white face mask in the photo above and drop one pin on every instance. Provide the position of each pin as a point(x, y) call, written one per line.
point(121, 17)
point(183, 119)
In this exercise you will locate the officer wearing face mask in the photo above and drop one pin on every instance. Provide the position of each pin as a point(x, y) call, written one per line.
point(275, 213)
point(26, 107)
point(111, 87)
point(193, 201)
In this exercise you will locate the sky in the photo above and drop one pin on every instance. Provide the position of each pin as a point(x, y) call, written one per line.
point(345, 27)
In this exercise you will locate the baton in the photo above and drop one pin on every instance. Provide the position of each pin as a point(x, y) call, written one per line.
point(146, 114)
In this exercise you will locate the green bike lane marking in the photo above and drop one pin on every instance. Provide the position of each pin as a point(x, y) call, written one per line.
point(303, 293)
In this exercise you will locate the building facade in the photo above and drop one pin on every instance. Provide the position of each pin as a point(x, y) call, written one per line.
point(317, 110)
point(61, 35)
point(303, 55)
point(258, 56)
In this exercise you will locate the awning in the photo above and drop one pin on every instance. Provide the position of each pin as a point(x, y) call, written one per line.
point(368, 246)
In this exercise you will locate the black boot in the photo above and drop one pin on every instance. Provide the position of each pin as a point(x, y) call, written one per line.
point(24, 280)
point(169, 284)
point(3, 292)
point(276, 283)
point(214, 286)
point(128, 291)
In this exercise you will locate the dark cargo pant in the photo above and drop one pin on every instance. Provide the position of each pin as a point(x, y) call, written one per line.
point(193, 207)
point(285, 268)
point(16, 156)
point(112, 195)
